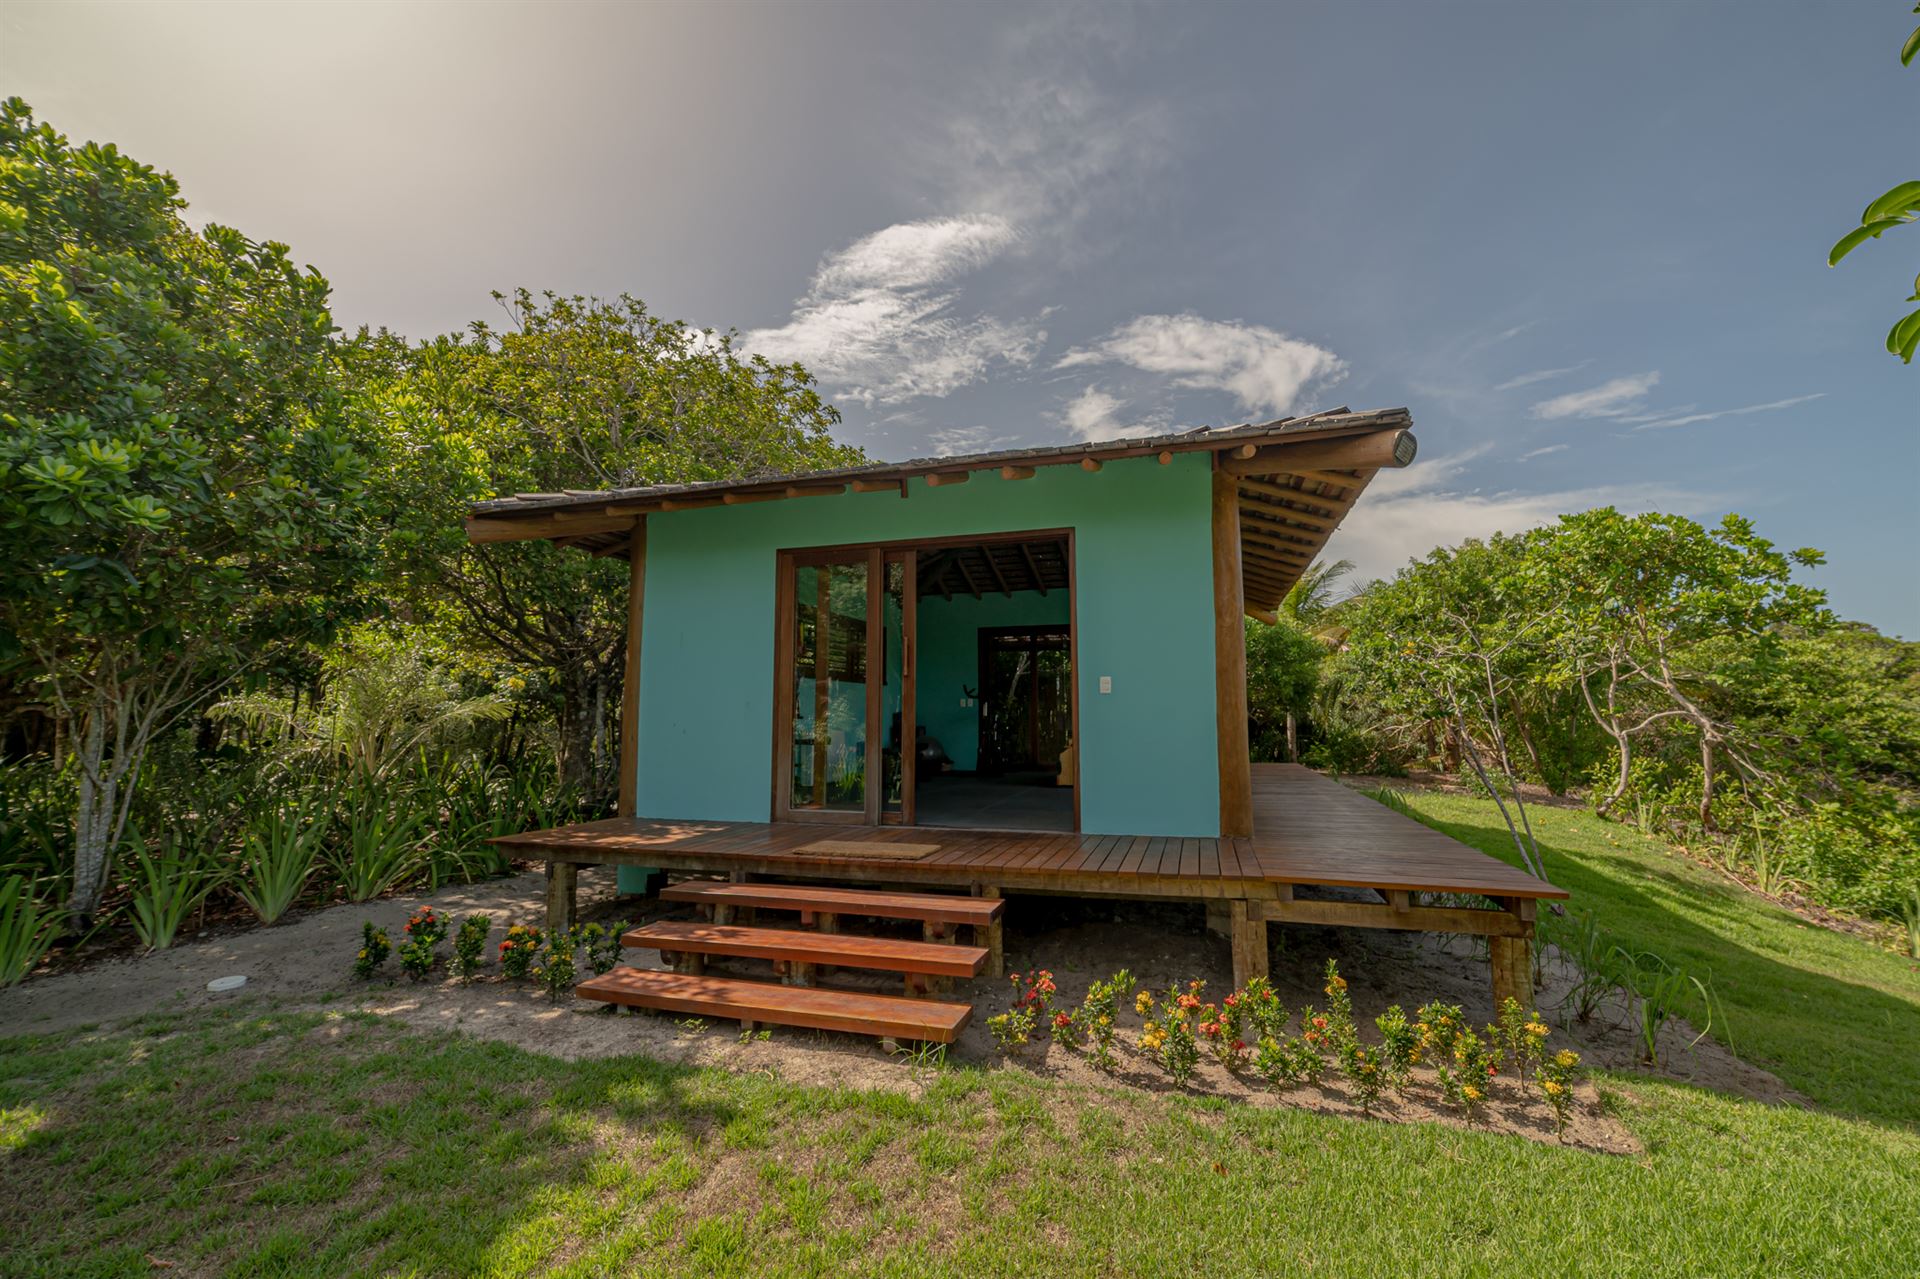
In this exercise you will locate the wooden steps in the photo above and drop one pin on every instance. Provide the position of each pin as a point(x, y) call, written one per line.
point(793, 946)
point(931, 908)
point(755, 1002)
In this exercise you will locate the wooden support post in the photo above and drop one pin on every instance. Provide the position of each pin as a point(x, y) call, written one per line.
point(1247, 930)
point(563, 890)
point(1512, 968)
point(1230, 663)
point(630, 688)
point(992, 936)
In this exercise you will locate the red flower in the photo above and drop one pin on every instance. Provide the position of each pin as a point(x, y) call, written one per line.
point(1232, 1000)
point(1063, 1019)
point(1239, 1045)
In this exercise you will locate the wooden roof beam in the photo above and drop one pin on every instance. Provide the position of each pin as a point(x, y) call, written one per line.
point(1033, 567)
point(986, 553)
point(1356, 452)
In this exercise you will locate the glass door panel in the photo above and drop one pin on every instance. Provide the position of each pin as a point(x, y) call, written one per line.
point(829, 730)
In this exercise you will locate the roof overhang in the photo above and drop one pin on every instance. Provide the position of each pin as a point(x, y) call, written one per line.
point(1296, 479)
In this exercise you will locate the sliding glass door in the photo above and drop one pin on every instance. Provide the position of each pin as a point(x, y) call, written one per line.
point(843, 744)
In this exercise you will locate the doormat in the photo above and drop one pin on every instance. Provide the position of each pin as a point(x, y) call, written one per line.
point(860, 848)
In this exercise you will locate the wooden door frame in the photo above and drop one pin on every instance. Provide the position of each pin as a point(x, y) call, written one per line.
point(786, 559)
point(984, 640)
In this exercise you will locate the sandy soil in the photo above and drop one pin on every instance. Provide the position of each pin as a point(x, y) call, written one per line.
point(305, 964)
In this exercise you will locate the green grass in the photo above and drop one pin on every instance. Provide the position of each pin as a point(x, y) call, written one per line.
point(249, 1143)
point(1835, 1017)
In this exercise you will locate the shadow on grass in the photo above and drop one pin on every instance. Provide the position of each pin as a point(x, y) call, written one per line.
point(1847, 1043)
point(305, 1145)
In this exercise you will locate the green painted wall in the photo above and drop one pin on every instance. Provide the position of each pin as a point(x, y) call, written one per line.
point(950, 658)
point(1145, 615)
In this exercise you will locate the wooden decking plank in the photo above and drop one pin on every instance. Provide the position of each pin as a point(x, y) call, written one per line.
point(1308, 830)
point(842, 950)
point(850, 1012)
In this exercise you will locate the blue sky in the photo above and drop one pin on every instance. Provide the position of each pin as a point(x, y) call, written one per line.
point(1583, 243)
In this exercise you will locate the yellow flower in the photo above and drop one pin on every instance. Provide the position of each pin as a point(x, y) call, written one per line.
point(1143, 1003)
point(1553, 1089)
point(1566, 1058)
point(1537, 1030)
point(363, 954)
point(1470, 1093)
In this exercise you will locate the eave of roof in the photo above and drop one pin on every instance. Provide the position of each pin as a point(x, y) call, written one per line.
point(1296, 480)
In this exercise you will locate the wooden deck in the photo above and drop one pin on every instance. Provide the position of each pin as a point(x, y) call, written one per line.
point(1307, 830)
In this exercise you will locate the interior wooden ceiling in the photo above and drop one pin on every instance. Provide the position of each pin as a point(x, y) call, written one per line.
point(989, 568)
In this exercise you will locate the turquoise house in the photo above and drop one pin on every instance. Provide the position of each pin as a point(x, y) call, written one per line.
point(1040, 640)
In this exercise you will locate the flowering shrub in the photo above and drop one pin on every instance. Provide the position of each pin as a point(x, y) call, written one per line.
point(1555, 1075)
point(416, 959)
point(1034, 990)
point(1399, 1047)
point(557, 969)
point(1338, 1028)
point(470, 946)
point(1522, 1036)
point(1287, 1062)
point(375, 946)
point(1361, 1067)
point(518, 950)
point(1011, 1030)
point(425, 927)
point(602, 945)
point(1266, 1016)
point(1466, 1073)
point(1169, 1037)
point(1100, 1010)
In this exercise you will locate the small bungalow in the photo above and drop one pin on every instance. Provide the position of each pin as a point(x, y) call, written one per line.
point(896, 691)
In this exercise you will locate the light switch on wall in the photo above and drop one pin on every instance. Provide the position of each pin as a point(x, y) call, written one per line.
point(1106, 683)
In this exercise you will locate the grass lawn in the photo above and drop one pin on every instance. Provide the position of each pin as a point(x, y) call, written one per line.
point(1831, 1015)
point(259, 1143)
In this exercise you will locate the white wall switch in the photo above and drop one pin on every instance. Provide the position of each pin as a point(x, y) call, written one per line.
point(1106, 683)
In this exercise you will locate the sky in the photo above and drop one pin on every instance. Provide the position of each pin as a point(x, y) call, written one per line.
point(1584, 243)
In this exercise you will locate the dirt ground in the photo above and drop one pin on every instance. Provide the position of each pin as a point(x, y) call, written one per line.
point(304, 964)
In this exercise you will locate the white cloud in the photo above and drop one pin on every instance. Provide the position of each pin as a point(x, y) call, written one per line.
point(1090, 414)
point(1610, 399)
point(879, 321)
point(1265, 370)
point(1530, 454)
point(1539, 375)
point(957, 441)
point(1681, 417)
point(1406, 513)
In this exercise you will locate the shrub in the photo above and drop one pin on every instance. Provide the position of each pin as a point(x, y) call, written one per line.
point(470, 946)
point(380, 844)
point(1169, 1037)
point(168, 886)
point(601, 945)
point(1556, 1075)
point(1399, 1047)
point(517, 951)
point(1013, 1029)
point(1099, 1014)
point(558, 969)
point(27, 932)
point(424, 930)
point(1287, 1062)
point(375, 946)
point(1522, 1036)
point(281, 845)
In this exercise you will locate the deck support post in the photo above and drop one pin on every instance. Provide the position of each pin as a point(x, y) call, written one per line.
point(1512, 969)
point(563, 891)
point(992, 936)
point(1247, 931)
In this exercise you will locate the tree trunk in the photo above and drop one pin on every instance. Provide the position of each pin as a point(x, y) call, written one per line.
point(101, 812)
point(1293, 738)
point(584, 732)
point(1706, 780)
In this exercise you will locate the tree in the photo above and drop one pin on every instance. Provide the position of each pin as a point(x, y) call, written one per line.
point(1643, 593)
point(575, 393)
point(1456, 637)
point(1896, 207)
point(182, 493)
point(1283, 669)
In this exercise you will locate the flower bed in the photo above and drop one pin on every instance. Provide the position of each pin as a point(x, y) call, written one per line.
point(1432, 1058)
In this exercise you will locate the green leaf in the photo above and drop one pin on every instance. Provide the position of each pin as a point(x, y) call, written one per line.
point(1904, 198)
point(1858, 236)
point(1911, 48)
point(1904, 339)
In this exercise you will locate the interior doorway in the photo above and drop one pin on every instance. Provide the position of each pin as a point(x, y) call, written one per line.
point(929, 684)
